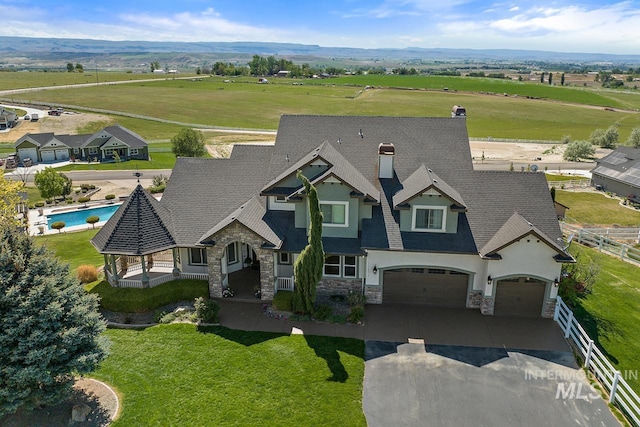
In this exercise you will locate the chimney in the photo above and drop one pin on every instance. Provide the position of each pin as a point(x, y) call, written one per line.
point(386, 153)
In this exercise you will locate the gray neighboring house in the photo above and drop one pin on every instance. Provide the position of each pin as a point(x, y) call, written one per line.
point(8, 118)
point(406, 219)
point(97, 147)
point(619, 172)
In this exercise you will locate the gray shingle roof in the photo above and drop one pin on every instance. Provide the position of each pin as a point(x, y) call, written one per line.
point(206, 193)
point(622, 164)
point(140, 226)
point(422, 180)
point(249, 214)
point(340, 168)
point(203, 192)
point(515, 228)
point(39, 139)
point(127, 136)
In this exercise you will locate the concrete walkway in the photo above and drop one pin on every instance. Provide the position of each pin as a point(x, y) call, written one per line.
point(399, 323)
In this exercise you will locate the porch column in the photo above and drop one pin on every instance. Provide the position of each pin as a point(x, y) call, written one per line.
point(176, 270)
point(114, 270)
point(145, 276)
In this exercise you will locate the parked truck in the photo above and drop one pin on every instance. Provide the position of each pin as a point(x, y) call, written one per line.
point(34, 117)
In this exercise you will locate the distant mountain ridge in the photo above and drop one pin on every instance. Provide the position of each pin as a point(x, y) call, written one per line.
point(30, 47)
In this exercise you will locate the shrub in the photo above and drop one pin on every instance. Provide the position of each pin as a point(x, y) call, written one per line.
point(92, 187)
point(69, 201)
point(357, 314)
point(85, 187)
point(92, 220)
point(58, 225)
point(77, 191)
point(338, 318)
point(84, 199)
point(356, 298)
point(157, 189)
point(87, 274)
point(158, 315)
point(282, 300)
point(322, 312)
point(110, 196)
point(206, 310)
point(49, 201)
point(32, 206)
point(39, 204)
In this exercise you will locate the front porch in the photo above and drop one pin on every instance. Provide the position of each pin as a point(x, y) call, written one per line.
point(146, 271)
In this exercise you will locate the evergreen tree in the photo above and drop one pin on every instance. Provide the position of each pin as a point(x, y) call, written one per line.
point(50, 328)
point(308, 266)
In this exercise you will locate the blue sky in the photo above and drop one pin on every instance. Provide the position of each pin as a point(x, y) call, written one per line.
point(565, 26)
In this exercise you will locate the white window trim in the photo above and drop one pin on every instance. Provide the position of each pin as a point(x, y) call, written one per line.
point(345, 266)
point(346, 213)
point(339, 265)
point(415, 208)
point(203, 252)
point(284, 262)
point(280, 199)
point(235, 251)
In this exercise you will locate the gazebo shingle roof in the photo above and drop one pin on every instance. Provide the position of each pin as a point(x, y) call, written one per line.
point(139, 227)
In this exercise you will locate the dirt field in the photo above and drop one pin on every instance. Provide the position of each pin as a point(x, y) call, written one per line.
point(68, 123)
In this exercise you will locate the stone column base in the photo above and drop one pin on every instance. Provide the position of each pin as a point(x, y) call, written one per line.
point(474, 299)
point(486, 306)
point(549, 309)
point(373, 294)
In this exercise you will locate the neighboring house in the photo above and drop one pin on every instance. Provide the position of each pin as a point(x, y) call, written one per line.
point(406, 218)
point(8, 118)
point(99, 147)
point(619, 172)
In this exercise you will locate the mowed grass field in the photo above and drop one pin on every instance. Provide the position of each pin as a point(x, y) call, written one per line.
point(30, 79)
point(243, 103)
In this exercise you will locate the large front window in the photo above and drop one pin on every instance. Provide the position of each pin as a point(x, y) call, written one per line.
point(429, 218)
point(335, 214)
point(341, 266)
point(197, 256)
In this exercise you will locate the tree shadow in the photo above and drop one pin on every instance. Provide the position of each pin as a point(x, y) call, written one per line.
point(596, 328)
point(246, 338)
point(328, 348)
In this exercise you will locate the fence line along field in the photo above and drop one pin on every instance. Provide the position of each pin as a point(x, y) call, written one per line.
point(243, 103)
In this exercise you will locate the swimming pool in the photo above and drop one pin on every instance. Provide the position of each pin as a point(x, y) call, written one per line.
point(80, 216)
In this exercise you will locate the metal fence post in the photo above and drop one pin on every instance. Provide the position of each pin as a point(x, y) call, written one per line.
point(614, 386)
point(587, 359)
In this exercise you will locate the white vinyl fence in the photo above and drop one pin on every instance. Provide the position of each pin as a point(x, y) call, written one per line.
point(620, 393)
point(571, 183)
point(603, 243)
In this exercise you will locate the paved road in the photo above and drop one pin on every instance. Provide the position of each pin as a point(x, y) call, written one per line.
point(444, 386)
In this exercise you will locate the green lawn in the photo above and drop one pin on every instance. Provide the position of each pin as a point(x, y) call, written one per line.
point(132, 300)
point(595, 209)
point(245, 104)
point(73, 248)
point(182, 375)
point(552, 177)
point(610, 313)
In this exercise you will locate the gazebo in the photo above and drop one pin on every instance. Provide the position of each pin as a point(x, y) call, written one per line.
point(137, 232)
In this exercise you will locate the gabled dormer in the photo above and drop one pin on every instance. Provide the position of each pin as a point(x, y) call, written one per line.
point(427, 203)
point(346, 196)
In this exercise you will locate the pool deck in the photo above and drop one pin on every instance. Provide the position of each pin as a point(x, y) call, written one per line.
point(36, 220)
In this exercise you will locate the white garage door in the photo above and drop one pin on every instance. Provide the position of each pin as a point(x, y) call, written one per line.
point(28, 153)
point(62, 154)
point(519, 296)
point(48, 156)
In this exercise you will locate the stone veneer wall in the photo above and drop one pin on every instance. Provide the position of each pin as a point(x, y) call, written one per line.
point(338, 286)
point(238, 232)
point(474, 299)
point(486, 307)
point(549, 309)
point(373, 294)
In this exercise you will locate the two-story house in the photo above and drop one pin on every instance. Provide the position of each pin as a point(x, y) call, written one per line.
point(406, 219)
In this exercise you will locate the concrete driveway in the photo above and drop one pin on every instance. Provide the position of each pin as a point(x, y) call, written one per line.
point(437, 385)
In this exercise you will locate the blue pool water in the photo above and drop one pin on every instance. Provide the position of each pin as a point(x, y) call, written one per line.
point(79, 217)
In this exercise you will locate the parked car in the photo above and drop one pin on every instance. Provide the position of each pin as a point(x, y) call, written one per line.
point(54, 112)
point(27, 117)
